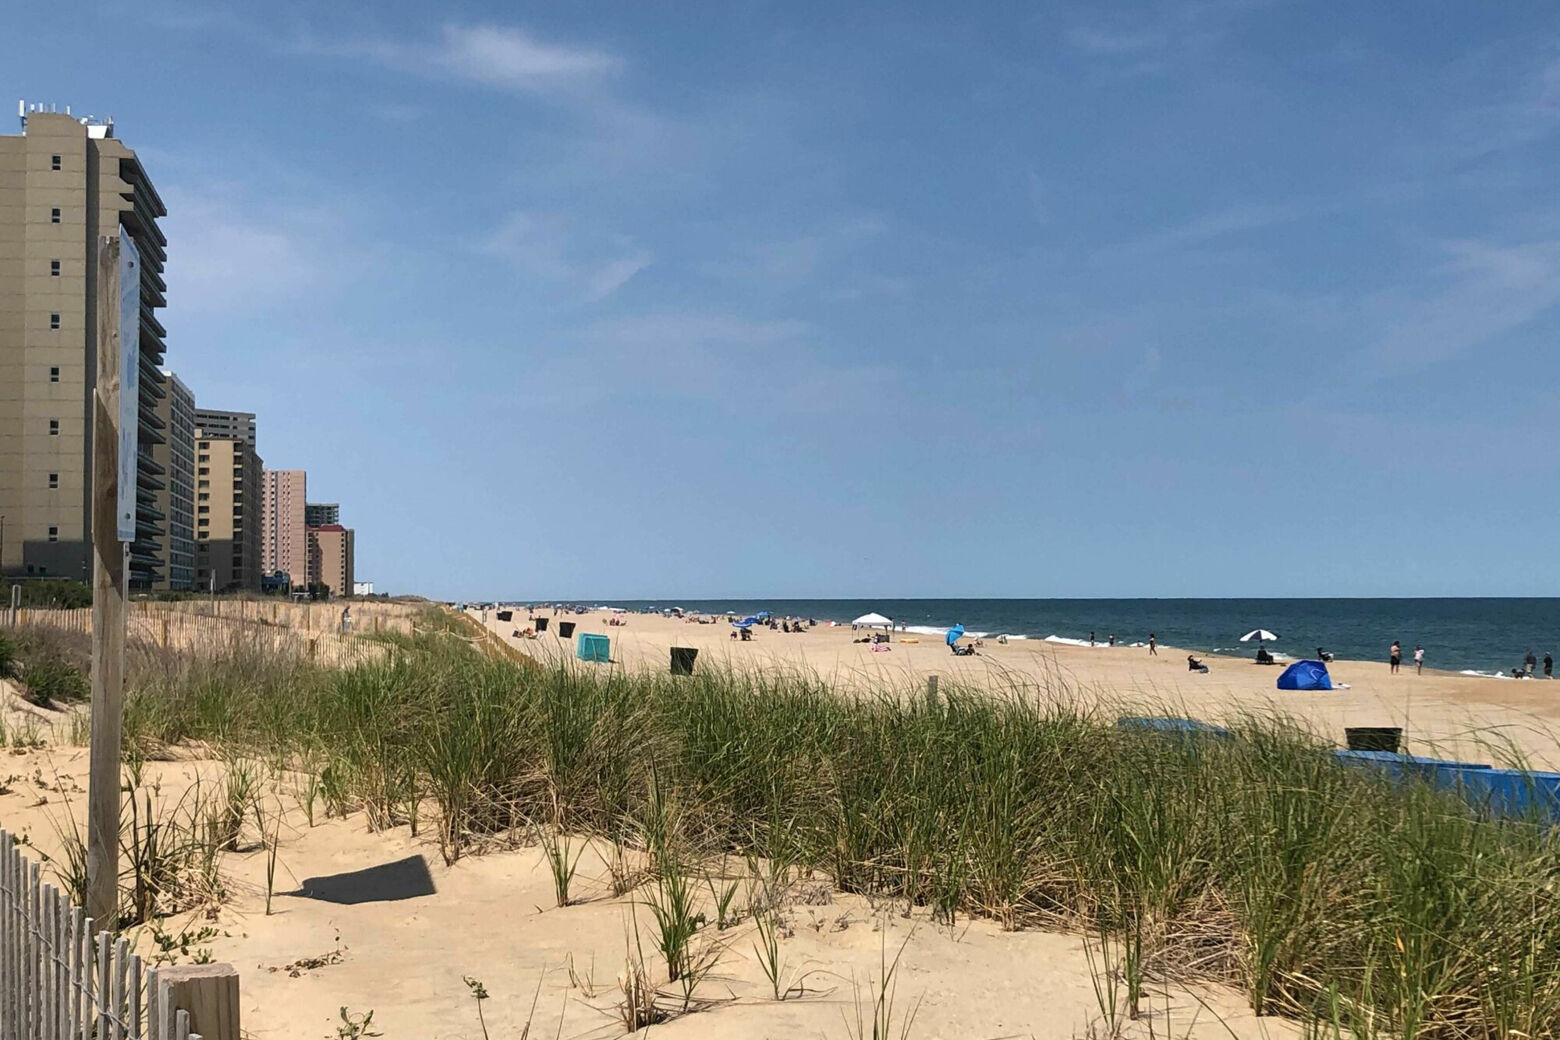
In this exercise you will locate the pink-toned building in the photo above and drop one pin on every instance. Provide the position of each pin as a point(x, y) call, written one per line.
point(331, 552)
point(283, 536)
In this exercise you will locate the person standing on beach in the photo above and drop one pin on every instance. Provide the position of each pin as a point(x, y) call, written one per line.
point(1396, 656)
point(1091, 638)
point(1530, 663)
point(1419, 659)
point(1549, 666)
point(1152, 641)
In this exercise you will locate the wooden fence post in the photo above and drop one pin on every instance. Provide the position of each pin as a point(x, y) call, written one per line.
point(931, 691)
point(108, 600)
point(207, 992)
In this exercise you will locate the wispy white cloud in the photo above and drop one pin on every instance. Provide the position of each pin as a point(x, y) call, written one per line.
point(1200, 230)
point(232, 259)
point(1097, 40)
point(798, 259)
point(746, 367)
point(1485, 289)
point(502, 57)
point(1150, 39)
point(550, 246)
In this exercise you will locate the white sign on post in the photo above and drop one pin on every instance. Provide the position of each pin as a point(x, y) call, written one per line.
point(129, 381)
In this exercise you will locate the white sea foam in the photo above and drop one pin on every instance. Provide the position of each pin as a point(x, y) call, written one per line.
point(1066, 641)
point(940, 630)
point(1484, 675)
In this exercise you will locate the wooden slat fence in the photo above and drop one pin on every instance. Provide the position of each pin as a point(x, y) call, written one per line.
point(61, 978)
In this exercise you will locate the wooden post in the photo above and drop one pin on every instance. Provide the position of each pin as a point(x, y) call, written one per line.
point(165, 631)
point(931, 691)
point(207, 992)
point(108, 603)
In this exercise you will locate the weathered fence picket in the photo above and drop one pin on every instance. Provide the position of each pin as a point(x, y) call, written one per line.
point(61, 979)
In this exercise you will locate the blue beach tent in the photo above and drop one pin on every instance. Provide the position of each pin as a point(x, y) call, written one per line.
point(1305, 675)
point(593, 648)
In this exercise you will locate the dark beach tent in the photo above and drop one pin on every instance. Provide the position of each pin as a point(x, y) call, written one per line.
point(1305, 675)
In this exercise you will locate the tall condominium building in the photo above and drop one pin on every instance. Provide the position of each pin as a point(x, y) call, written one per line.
point(322, 514)
point(227, 513)
point(233, 426)
point(331, 553)
point(284, 545)
point(176, 456)
point(65, 181)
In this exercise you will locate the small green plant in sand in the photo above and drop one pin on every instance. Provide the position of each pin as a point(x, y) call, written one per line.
point(876, 1017)
point(479, 993)
point(561, 861)
point(354, 1026)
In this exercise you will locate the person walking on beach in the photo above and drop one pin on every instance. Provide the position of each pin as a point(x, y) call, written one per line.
point(1419, 659)
point(1152, 641)
point(1549, 666)
point(1091, 638)
point(1396, 656)
point(1530, 663)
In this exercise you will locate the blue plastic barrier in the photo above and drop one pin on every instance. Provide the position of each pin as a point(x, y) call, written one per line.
point(1170, 725)
point(1502, 793)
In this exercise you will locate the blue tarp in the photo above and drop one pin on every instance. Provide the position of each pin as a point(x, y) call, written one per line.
point(1305, 675)
point(593, 648)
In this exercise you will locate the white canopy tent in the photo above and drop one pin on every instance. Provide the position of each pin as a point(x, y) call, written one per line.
point(873, 621)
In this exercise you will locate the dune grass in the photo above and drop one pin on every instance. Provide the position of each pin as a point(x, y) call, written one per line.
point(1321, 892)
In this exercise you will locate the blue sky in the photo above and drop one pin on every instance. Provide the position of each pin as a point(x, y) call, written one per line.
point(1205, 297)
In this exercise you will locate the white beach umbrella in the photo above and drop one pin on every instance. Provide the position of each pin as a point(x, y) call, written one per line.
point(873, 621)
point(1261, 635)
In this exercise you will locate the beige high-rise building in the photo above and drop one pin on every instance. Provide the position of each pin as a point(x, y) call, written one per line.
point(227, 514)
point(64, 181)
point(176, 501)
point(236, 426)
point(284, 544)
point(331, 552)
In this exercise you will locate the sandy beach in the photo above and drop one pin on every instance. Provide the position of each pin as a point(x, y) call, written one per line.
point(1440, 712)
point(492, 918)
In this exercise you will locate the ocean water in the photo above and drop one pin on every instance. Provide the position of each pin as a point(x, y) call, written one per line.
point(1481, 635)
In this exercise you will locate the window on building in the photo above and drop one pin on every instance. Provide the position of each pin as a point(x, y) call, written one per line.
point(203, 458)
point(54, 215)
point(204, 497)
point(54, 427)
point(54, 481)
point(203, 471)
point(54, 534)
point(55, 163)
point(203, 483)
point(54, 373)
point(205, 444)
point(54, 268)
point(203, 509)
point(54, 321)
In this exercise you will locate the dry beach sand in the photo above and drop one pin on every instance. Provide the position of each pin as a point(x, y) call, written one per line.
point(1467, 716)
